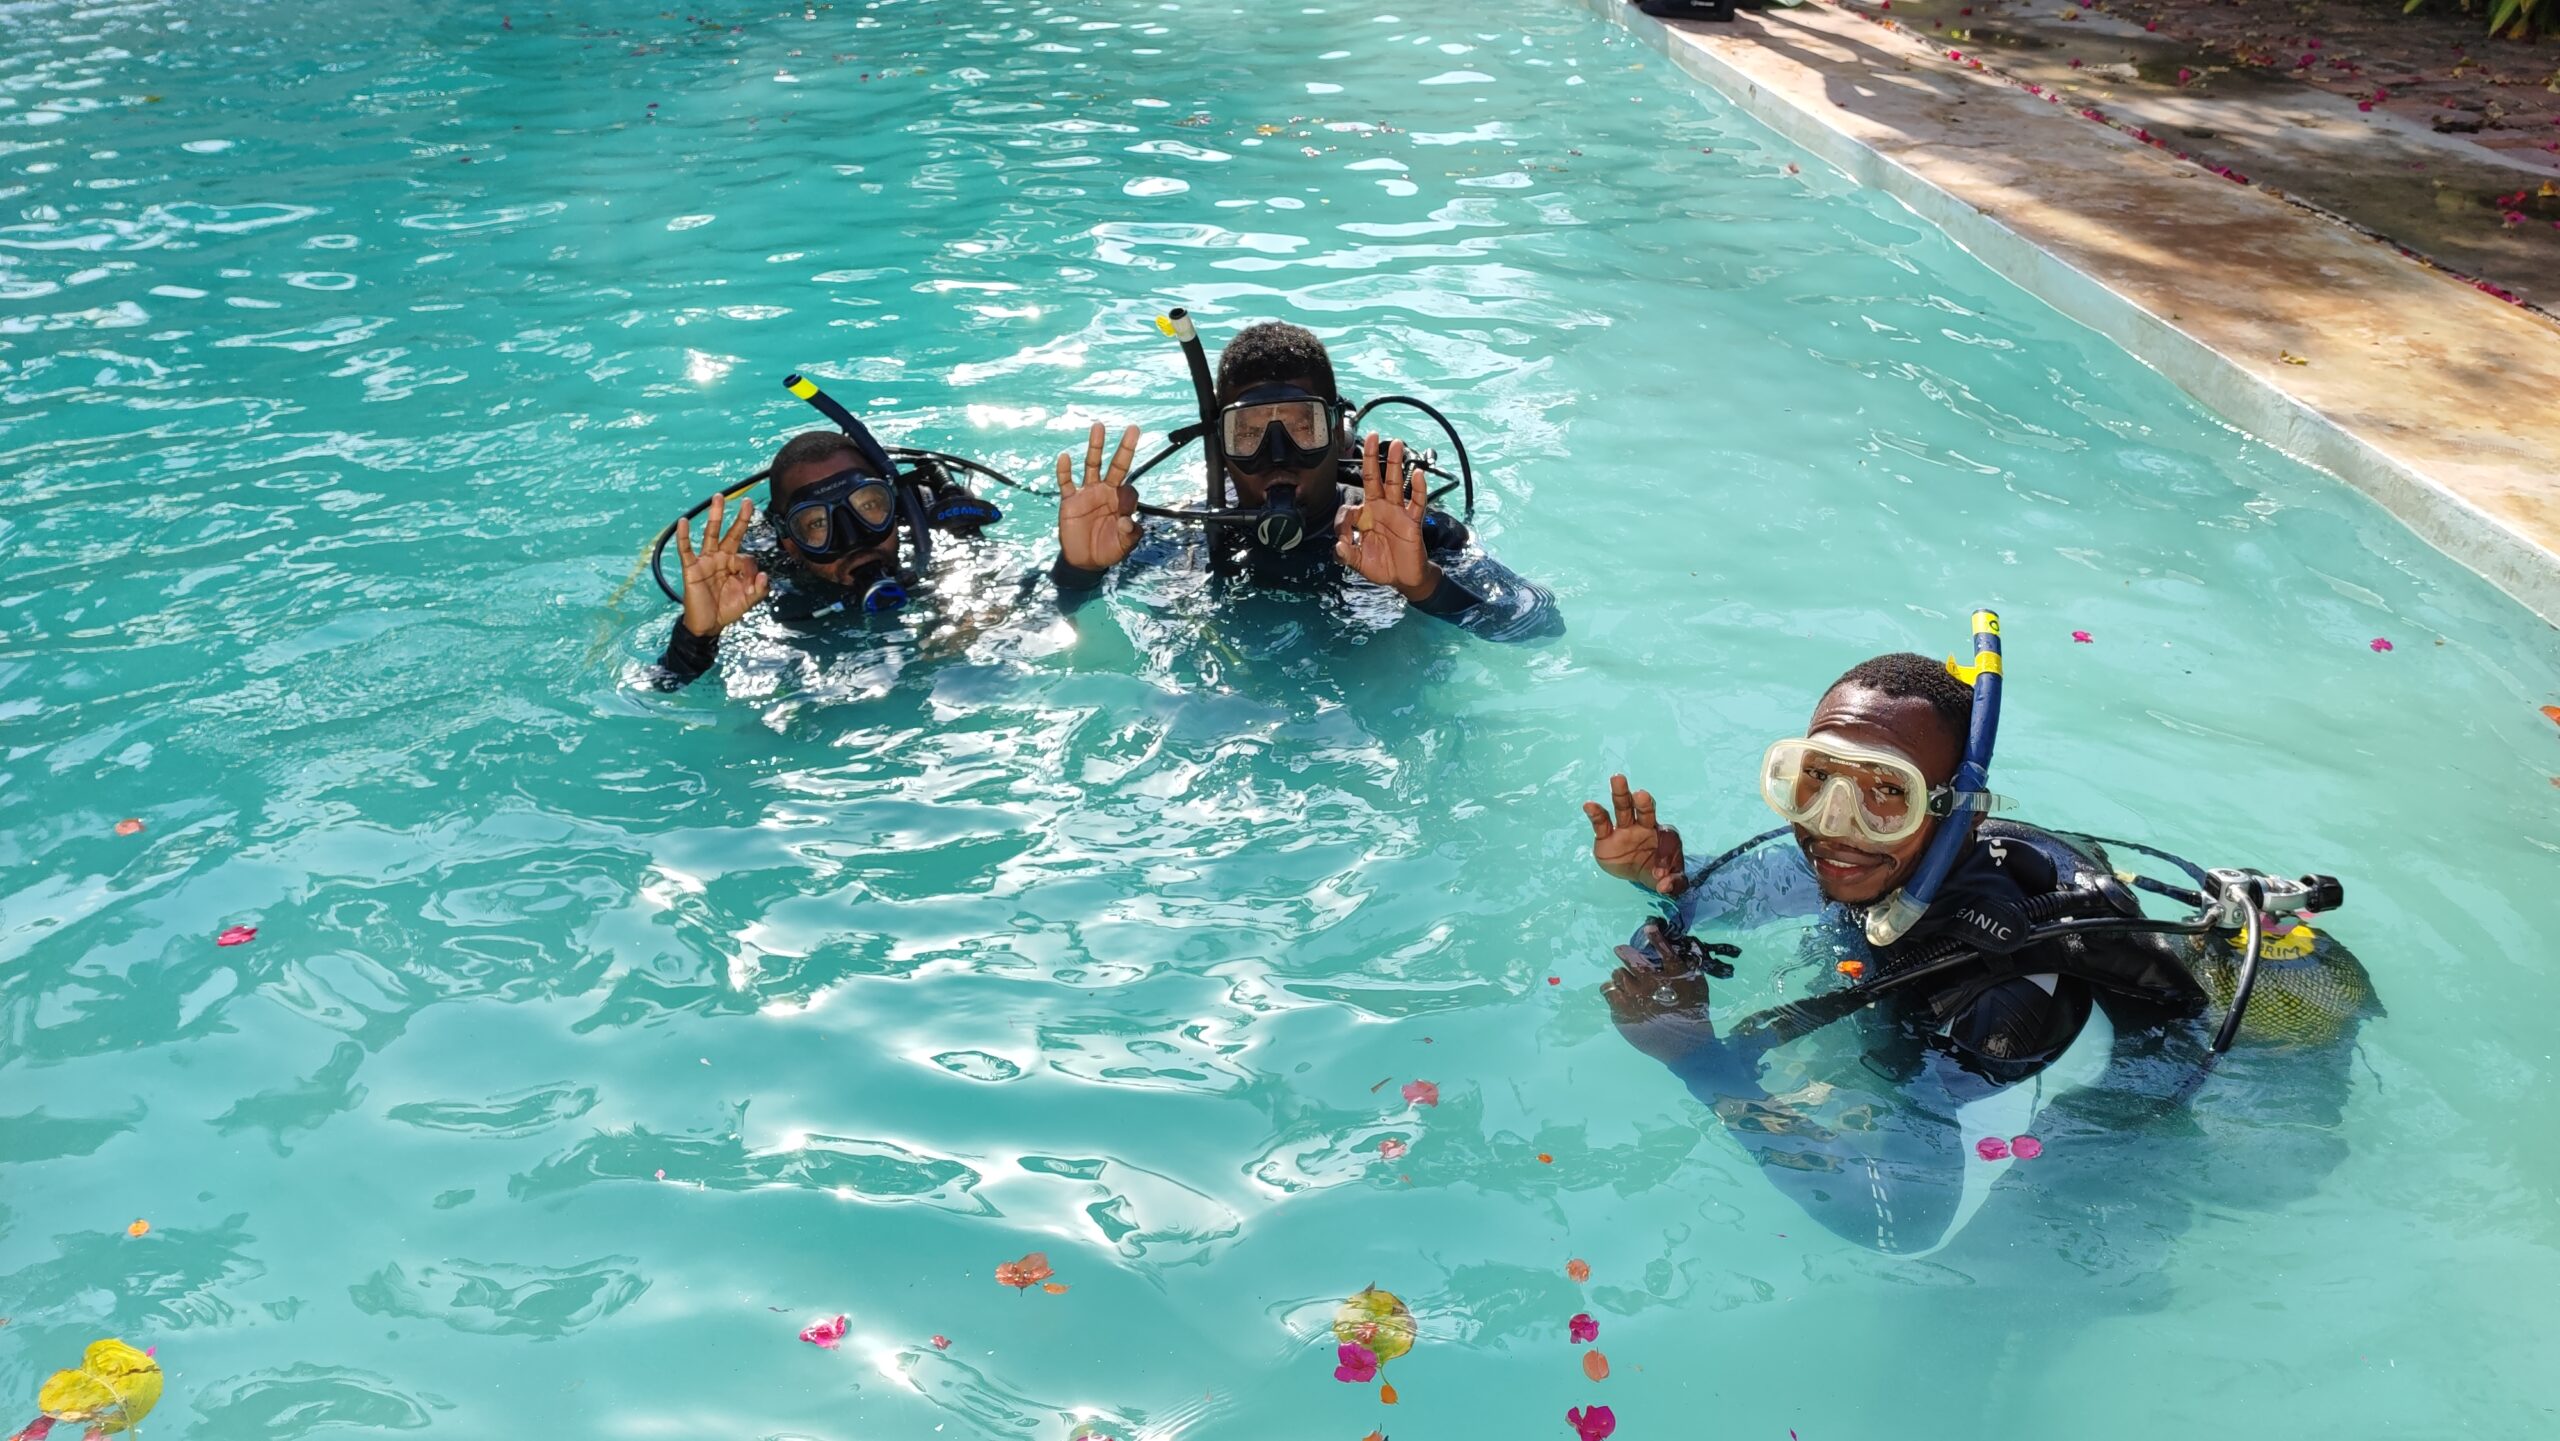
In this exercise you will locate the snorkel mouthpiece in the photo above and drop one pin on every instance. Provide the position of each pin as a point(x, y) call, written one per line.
point(1893, 918)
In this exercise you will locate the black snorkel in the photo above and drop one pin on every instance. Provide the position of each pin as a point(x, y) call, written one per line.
point(911, 482)
point(1271, 524)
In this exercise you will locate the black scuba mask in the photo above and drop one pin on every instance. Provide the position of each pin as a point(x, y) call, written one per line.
point(1278, 427)
point(843, 513)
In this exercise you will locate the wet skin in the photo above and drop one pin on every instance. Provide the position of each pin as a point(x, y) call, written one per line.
point(844, 568)
point(1630, 842)
point(1854, 872)
point(1316, 484)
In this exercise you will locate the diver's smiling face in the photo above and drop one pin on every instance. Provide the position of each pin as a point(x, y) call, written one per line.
point(1852, 870)
point(1315, 483)
point(843, 569)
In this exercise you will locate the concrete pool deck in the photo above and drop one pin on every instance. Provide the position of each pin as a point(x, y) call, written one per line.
point(2429, 396)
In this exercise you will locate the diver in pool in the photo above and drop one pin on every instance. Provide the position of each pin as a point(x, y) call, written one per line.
point(1992, 965)
point(1282, 437)
point(854, 537)
point(1855, 791)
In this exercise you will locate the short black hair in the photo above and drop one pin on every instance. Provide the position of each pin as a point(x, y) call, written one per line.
point(802, 449)
point(1918, 678)
point(1270, 352)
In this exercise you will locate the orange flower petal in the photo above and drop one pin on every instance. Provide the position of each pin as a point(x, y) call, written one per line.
point(1595, 1365)
point(138, 1228)
point(128, 827)
point(1545, 1160)
point(1055, 1288)
point(1026, 1273)
point(1578, 1269)
point(2552, 714)
point(1386, 1393)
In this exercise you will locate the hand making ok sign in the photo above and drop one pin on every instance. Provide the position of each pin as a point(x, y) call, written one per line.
point(1381, 537)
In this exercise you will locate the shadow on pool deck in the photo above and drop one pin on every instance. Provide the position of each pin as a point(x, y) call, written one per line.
point(2413, 386)
point(2418, 168)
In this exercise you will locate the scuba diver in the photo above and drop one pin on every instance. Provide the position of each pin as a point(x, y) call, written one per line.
point(1283, 451)
point(855, 535)
point(1992, 966)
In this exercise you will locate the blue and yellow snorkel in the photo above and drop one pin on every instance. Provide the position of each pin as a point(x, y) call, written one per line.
point(1892, 918)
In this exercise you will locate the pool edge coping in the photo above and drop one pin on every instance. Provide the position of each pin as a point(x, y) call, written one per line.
point(2520, 564)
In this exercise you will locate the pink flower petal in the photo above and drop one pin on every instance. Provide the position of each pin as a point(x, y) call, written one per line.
point(1356, 1363)
point(128, 827)
point(662, 1175)
point(942, 1343)
point(1594, 1423)
point(824, 1334)
point(1390, 1148)
point(1582, 1328)
point(2081, 637)
point(1422, 1093)
point(1991, 1148)
point(236, 936)
point(2379, 644)
point(2025, 1148)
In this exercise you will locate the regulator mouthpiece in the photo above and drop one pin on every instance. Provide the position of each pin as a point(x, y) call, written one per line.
point(883, 596)
point(1281, 525)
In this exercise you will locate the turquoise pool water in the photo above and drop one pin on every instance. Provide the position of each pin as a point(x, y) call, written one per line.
point(349, 352)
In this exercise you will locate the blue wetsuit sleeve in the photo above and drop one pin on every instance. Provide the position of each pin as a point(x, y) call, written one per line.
point(1485, 597)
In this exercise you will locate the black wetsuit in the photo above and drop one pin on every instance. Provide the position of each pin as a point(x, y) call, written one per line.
point(2013, 1009)
point(1874, 1125)
point(2008, 1010)
point(799, 596)
point(1476, 592)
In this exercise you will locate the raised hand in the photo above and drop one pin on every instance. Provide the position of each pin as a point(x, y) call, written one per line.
point(1095, 529)
point(1632, 845)
point(720, 585)
point(1658, 1003)
point(1381, 537)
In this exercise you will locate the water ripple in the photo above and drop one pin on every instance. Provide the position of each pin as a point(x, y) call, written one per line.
point(348, 363)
